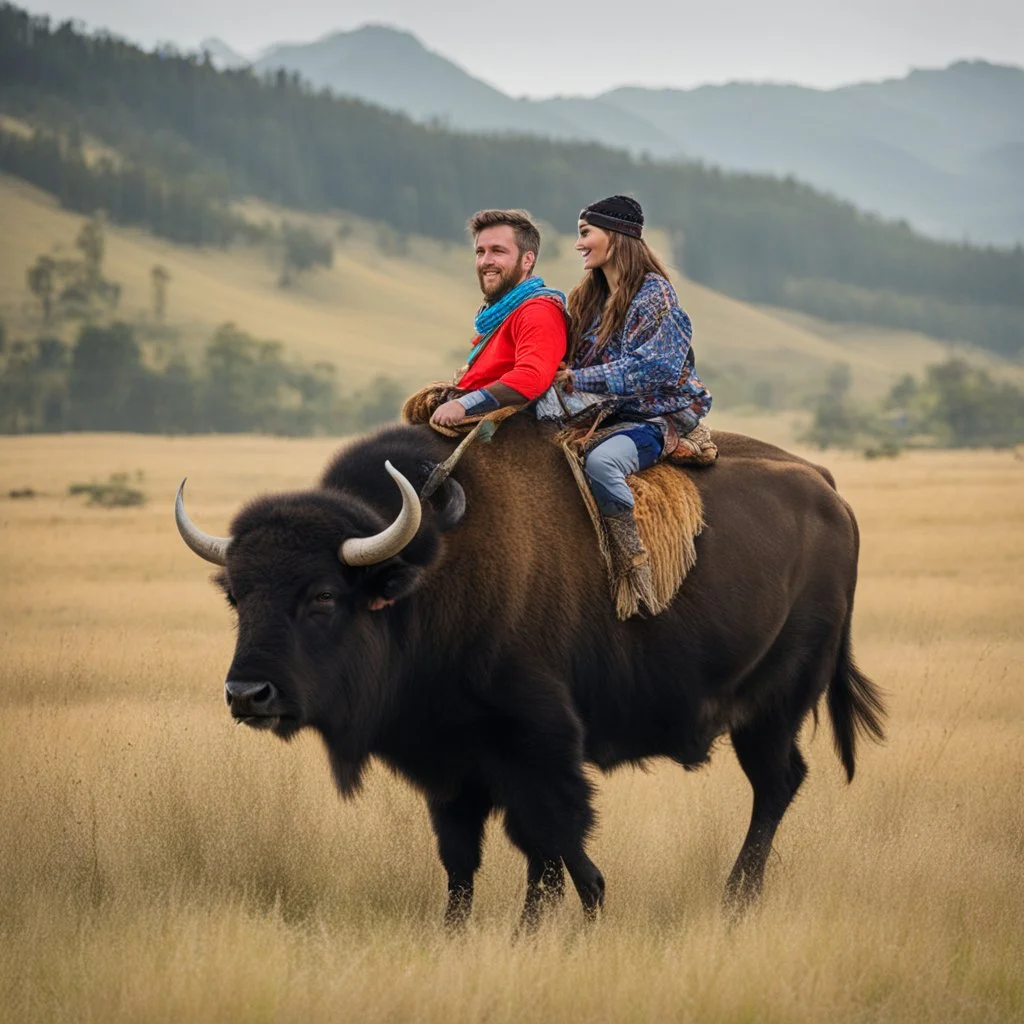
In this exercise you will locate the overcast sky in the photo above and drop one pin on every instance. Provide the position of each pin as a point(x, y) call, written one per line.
point(548, 47)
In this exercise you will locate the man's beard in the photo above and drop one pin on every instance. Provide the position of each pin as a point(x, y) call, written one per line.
point(505, 283)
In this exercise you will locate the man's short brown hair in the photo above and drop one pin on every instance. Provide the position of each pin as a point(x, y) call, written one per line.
point(527, 233)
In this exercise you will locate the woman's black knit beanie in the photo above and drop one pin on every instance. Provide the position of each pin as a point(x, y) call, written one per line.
point(616, 213)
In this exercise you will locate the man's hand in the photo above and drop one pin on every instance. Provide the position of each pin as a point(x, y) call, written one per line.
point(564, 378)
point(449, 414)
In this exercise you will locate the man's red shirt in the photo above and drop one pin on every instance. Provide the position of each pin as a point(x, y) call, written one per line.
point(524, 352)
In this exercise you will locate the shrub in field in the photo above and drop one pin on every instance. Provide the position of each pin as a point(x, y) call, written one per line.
point(883, 450)
point(115, 492)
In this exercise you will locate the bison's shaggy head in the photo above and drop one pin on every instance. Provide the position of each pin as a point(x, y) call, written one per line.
point(317, 579)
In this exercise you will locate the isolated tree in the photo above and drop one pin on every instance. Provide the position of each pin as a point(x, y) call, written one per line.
point(42, 281)
point(105, 368)
point(109, 292)
point(377, 403)
point(160, 277)
point(302, 251)
point(903, 393)
point(49, 371)
point(391, 242)
point(18, 390)
point(834, 422)
point(174, 398)
point(51, 354)
point(966, 408)
point(82, 280)
point(244, 376)
point(92, 244)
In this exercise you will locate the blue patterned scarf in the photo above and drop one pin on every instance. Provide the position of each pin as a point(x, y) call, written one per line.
point(490, 318)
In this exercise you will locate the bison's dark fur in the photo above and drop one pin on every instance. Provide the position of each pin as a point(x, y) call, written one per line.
point(501, 668)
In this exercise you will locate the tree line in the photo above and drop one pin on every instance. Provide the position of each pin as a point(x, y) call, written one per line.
point(123, 376)
point(181, 210)
point(202, 136)
point(954, 405)
point(110, 378)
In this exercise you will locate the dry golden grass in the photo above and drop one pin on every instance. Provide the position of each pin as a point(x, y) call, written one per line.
point(159, 864)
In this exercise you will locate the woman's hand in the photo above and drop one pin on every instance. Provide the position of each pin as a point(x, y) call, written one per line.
point(449, 414)
point(564, 377)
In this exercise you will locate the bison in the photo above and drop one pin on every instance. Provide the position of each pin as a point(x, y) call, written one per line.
point(468, 640)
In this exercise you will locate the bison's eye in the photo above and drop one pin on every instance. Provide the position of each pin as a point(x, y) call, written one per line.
point(325, 597)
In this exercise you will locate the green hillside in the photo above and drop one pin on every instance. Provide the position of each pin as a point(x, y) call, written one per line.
point(405, 315)
point(370, 314)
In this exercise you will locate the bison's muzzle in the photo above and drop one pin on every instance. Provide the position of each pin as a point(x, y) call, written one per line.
point(255, 704)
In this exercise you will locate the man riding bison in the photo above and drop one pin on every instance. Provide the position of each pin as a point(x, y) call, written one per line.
point(457, 626)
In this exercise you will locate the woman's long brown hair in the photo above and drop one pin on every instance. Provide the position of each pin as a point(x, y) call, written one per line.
point(591, 298)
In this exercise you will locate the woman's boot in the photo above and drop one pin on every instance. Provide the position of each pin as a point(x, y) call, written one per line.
point(632, 584)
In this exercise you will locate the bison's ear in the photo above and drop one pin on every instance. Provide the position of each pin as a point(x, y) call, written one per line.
point(449, 504)
point(447, 500)
point(390, 581)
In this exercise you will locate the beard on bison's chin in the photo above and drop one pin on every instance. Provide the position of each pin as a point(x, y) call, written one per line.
point(279, 725)
point(506, 282)
point(263, 723)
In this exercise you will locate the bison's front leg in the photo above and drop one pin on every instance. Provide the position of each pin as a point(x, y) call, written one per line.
point(548, 818)
point(535, 760)
point(459, 827)
point(545, 886)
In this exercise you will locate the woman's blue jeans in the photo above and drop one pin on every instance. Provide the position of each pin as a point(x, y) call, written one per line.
point(607, 465)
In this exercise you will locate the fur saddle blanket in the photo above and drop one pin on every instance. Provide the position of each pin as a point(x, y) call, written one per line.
point(669, 511)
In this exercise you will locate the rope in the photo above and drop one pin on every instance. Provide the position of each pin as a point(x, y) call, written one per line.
point(483, 430)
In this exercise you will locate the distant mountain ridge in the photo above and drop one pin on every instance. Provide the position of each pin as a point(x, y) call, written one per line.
point(221, 55)
point(393, 69)
point(943, 149)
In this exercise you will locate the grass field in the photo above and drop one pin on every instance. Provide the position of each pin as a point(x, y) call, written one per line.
point(158, 864)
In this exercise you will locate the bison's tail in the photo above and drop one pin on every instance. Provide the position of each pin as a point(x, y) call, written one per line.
point(855, 705)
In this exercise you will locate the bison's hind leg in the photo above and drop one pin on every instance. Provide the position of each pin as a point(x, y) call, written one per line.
point(588, 880)
point(768, 753)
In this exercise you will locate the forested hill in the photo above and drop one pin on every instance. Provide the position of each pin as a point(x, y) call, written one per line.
point(183, 129)
point(943, 147)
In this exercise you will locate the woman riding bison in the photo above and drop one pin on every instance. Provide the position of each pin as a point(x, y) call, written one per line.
point(629, 338)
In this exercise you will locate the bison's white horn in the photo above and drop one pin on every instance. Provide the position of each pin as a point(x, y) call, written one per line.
point(213, 549)
point(387, 543)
